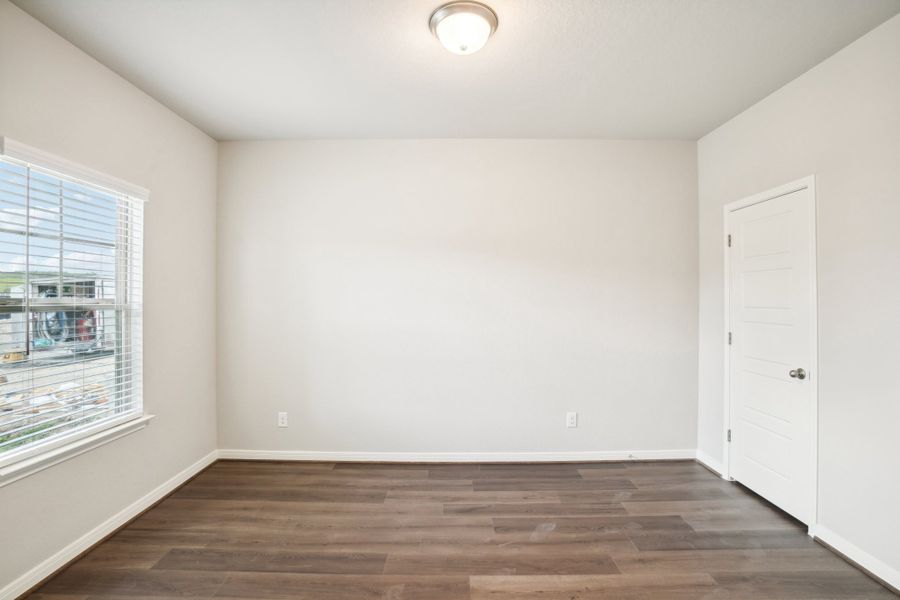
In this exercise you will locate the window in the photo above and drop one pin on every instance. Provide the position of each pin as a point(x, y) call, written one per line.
point(70, 306)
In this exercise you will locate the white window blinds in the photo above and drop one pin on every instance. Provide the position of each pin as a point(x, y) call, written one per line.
point(70, 309)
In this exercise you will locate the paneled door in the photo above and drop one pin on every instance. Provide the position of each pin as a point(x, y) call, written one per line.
point(772, 350)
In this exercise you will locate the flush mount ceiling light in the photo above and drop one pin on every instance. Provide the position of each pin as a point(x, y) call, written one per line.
point(463, 27)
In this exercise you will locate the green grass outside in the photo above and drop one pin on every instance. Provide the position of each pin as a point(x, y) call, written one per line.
point(33, 434)
point(27, 432)
point(10, 280)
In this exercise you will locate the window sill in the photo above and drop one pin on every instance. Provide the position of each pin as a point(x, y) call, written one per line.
point(32, 465)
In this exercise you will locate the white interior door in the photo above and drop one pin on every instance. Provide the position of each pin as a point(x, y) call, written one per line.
point(772, 352)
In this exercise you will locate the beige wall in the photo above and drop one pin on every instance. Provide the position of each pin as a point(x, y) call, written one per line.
point(56, 98)
point(457, 295)
point(841, 123)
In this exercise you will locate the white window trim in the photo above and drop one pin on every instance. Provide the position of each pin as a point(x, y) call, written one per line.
point(64, 441)
point(45, 160)
point(30, 466)
point(55, 454)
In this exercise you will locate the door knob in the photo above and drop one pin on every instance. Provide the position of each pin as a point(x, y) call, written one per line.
point(798, 373)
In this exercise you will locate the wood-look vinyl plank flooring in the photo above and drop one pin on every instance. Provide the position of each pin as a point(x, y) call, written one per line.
point(570, 531)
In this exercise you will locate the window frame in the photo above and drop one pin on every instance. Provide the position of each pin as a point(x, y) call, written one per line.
point(41, 454)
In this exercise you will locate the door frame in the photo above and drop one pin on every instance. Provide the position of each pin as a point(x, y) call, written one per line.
point(782, 190)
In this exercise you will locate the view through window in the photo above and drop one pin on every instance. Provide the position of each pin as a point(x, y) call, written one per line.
point(70, 309)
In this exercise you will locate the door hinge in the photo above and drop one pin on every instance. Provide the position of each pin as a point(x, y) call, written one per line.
point(729, 240)
point(729, 338)
point(729, 435)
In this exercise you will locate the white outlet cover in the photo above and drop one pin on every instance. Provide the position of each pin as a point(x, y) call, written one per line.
point(572, 419)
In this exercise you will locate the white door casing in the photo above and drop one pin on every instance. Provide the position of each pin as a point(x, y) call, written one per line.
point(771, 371)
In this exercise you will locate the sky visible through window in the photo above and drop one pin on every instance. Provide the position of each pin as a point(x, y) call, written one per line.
point(86, 218)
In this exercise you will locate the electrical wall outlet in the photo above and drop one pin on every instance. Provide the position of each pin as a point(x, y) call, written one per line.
point(572, 419)
point(282, 419)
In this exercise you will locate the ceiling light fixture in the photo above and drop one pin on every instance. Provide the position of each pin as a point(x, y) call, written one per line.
point(463, 27)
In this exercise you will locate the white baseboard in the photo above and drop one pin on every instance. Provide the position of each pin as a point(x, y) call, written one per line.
point(876, 567)
point(450, 457)
point(43, 570)
point(711, 463)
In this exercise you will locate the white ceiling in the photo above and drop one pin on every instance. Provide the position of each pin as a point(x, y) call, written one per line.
point(259, 69)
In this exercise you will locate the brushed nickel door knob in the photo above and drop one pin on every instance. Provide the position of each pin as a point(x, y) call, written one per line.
point(798, 373)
